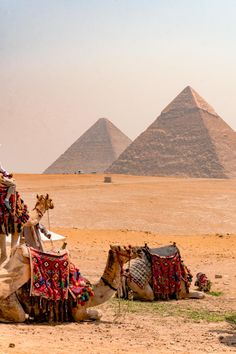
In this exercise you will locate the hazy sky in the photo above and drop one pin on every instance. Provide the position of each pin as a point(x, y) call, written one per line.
point(66, 63)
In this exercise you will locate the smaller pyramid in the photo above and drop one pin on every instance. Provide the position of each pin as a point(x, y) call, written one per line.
point(94, 151)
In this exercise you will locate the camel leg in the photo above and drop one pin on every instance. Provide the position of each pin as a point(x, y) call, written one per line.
point(14, 239)
point(86, 315)
point(141, 294)
point(11, 310)
point(3, 247)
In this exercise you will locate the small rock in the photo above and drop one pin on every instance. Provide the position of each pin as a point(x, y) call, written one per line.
point(218, 276)
point(12, 345)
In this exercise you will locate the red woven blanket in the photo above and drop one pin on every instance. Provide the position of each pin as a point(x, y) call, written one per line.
point(49, 275)
point(79, 287)
point(53, 276)
point(166, 275)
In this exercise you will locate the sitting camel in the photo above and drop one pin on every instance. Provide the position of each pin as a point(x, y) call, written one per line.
point(140, 283)
point(22, 221)
point(16, 303)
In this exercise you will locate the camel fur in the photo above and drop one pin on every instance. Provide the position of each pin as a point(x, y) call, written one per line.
point(129, 289)
point(43, 204)
point(15, 299)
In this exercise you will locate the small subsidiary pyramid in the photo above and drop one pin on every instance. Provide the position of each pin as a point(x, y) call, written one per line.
point(94, 151)
point(188, 139)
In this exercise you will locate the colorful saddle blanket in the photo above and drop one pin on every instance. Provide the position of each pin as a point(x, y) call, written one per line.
point(12, 220)
point(167, 273)
point(53, 276)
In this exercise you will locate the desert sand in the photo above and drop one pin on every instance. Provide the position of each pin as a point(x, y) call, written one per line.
point(197, 214)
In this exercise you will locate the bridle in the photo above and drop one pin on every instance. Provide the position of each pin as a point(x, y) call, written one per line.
point(44, 206)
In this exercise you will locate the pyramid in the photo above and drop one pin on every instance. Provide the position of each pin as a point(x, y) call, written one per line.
point(94, 151)
point(188, 139)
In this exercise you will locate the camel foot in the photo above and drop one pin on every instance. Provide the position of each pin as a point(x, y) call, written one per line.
point(196, 295)
point(94, 315)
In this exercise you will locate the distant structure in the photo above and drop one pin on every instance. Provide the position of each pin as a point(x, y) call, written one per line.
point(93, 152)
point(188, 139)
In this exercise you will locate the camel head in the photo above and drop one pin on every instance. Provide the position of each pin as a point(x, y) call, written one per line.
point(44, 202)
point(125, 254)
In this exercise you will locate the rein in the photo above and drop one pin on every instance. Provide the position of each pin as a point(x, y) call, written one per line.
point(106, 282)
point(39, 212)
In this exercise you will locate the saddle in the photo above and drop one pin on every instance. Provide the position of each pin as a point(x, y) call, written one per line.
point(164, 251)
point(168, 270)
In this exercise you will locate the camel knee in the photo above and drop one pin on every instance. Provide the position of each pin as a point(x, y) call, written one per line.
point(94, 315)
point(149, 296)
point(11, 310)
point(196, 295)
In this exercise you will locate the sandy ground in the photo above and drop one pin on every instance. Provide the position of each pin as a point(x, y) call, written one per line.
point(197, 214)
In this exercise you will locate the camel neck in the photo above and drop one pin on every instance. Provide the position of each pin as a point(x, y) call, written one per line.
point(35, 216)
point(112, 272)
point(109, 281)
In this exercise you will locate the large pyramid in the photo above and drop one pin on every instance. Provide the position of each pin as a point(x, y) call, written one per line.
point(94, 151)
point(188, 139)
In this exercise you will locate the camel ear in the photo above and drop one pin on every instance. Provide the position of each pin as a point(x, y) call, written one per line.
point(37, 196)
point(47, 196)
point(112, 247)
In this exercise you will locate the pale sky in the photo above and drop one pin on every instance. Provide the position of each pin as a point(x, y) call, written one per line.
point(66, 63)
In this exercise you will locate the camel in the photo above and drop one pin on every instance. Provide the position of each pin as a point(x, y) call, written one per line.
point(137, 280)
point(16, 306)
point(43, 204)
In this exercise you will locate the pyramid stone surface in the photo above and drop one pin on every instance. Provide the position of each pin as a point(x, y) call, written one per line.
point(188, 139)
point(94, 151)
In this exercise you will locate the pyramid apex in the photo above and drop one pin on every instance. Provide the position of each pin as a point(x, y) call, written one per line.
point(187, 99)
point(102, 120)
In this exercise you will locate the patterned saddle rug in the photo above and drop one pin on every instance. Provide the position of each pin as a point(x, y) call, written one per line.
point(168, 271)
point(140, 271)
point(12, 220)
point(162, 268)
point(53, 277)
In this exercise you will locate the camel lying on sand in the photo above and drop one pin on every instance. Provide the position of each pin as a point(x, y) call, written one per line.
point(15, 300)
point(24, 226)
point(139, 283)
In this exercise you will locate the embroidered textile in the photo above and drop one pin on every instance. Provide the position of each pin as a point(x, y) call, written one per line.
point(53, 276)
point(11, 221)
point(79, 287)
point(166, 276)
point(140, 272)
point(49, 275)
